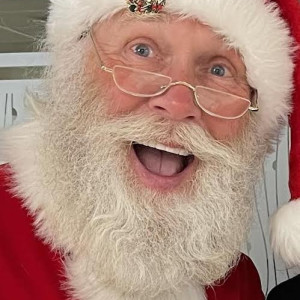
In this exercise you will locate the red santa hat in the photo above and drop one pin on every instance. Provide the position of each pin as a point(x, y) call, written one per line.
point(285, 223)
point(264, 31)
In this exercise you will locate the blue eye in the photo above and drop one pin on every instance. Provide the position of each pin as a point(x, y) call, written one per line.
point(218, 70)
point(142, 50)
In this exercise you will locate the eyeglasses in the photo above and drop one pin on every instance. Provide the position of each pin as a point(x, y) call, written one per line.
point(217, 103)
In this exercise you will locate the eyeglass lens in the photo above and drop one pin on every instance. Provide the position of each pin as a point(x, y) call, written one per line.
point(147, 84)
point(221, 104)
point(138, 82)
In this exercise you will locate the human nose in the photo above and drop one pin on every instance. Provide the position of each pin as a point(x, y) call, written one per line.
point(177, 103)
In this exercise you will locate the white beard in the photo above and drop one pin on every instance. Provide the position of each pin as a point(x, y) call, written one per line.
point(121, 239)
point(88, 291)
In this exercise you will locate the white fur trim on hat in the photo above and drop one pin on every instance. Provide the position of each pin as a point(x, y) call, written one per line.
point(253, 27)
point(285, 232)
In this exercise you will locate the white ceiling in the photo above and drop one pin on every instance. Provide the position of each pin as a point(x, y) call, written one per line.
point(21, 24)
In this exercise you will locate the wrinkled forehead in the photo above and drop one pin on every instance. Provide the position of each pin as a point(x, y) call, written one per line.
point(125, 17)
point(163, 25)
point(156, 23)
point(174, 35)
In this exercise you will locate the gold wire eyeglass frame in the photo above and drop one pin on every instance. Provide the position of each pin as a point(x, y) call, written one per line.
point(253, 92)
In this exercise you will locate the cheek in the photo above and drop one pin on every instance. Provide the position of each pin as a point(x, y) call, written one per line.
point(225, 129)
point(117, 102)
point(120, 102)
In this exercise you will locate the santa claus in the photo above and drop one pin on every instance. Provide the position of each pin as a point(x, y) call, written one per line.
point(136, 178)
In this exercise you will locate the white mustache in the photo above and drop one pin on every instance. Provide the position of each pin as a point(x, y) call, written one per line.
point(145, 129)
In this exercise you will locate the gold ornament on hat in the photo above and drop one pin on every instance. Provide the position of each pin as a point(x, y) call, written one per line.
point(146, 6)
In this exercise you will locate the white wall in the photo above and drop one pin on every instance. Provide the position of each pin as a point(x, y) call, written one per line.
point(272, 191)
point(12, 93)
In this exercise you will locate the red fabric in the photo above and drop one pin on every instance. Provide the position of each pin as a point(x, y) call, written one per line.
point(243, 283)
point(29, 270)
point(291, 12)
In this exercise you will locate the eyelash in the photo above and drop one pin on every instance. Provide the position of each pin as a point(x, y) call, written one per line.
point(229, 72)
point(222, 67)
point(135, 50)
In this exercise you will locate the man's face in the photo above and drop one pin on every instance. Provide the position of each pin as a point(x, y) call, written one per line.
point(184, 50)
point(134, 218)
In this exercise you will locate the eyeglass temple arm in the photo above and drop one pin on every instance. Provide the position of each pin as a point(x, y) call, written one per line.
point(254, 100)
point(100, 63)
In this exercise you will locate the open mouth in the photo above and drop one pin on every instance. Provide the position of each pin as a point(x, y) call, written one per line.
point(162, 160)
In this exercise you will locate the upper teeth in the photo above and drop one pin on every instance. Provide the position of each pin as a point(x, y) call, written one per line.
point(162, 147)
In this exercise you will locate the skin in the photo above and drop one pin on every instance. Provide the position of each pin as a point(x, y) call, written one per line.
point(178, 48)
point(183, 49)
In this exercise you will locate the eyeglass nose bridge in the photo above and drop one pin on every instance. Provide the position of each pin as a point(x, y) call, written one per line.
point(182, 83)
point(188, 85)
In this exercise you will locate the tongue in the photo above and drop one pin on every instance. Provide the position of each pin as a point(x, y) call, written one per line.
point(159, 162)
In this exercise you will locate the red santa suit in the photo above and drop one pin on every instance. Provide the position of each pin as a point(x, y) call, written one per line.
point(262, 35)
point(30, 270)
